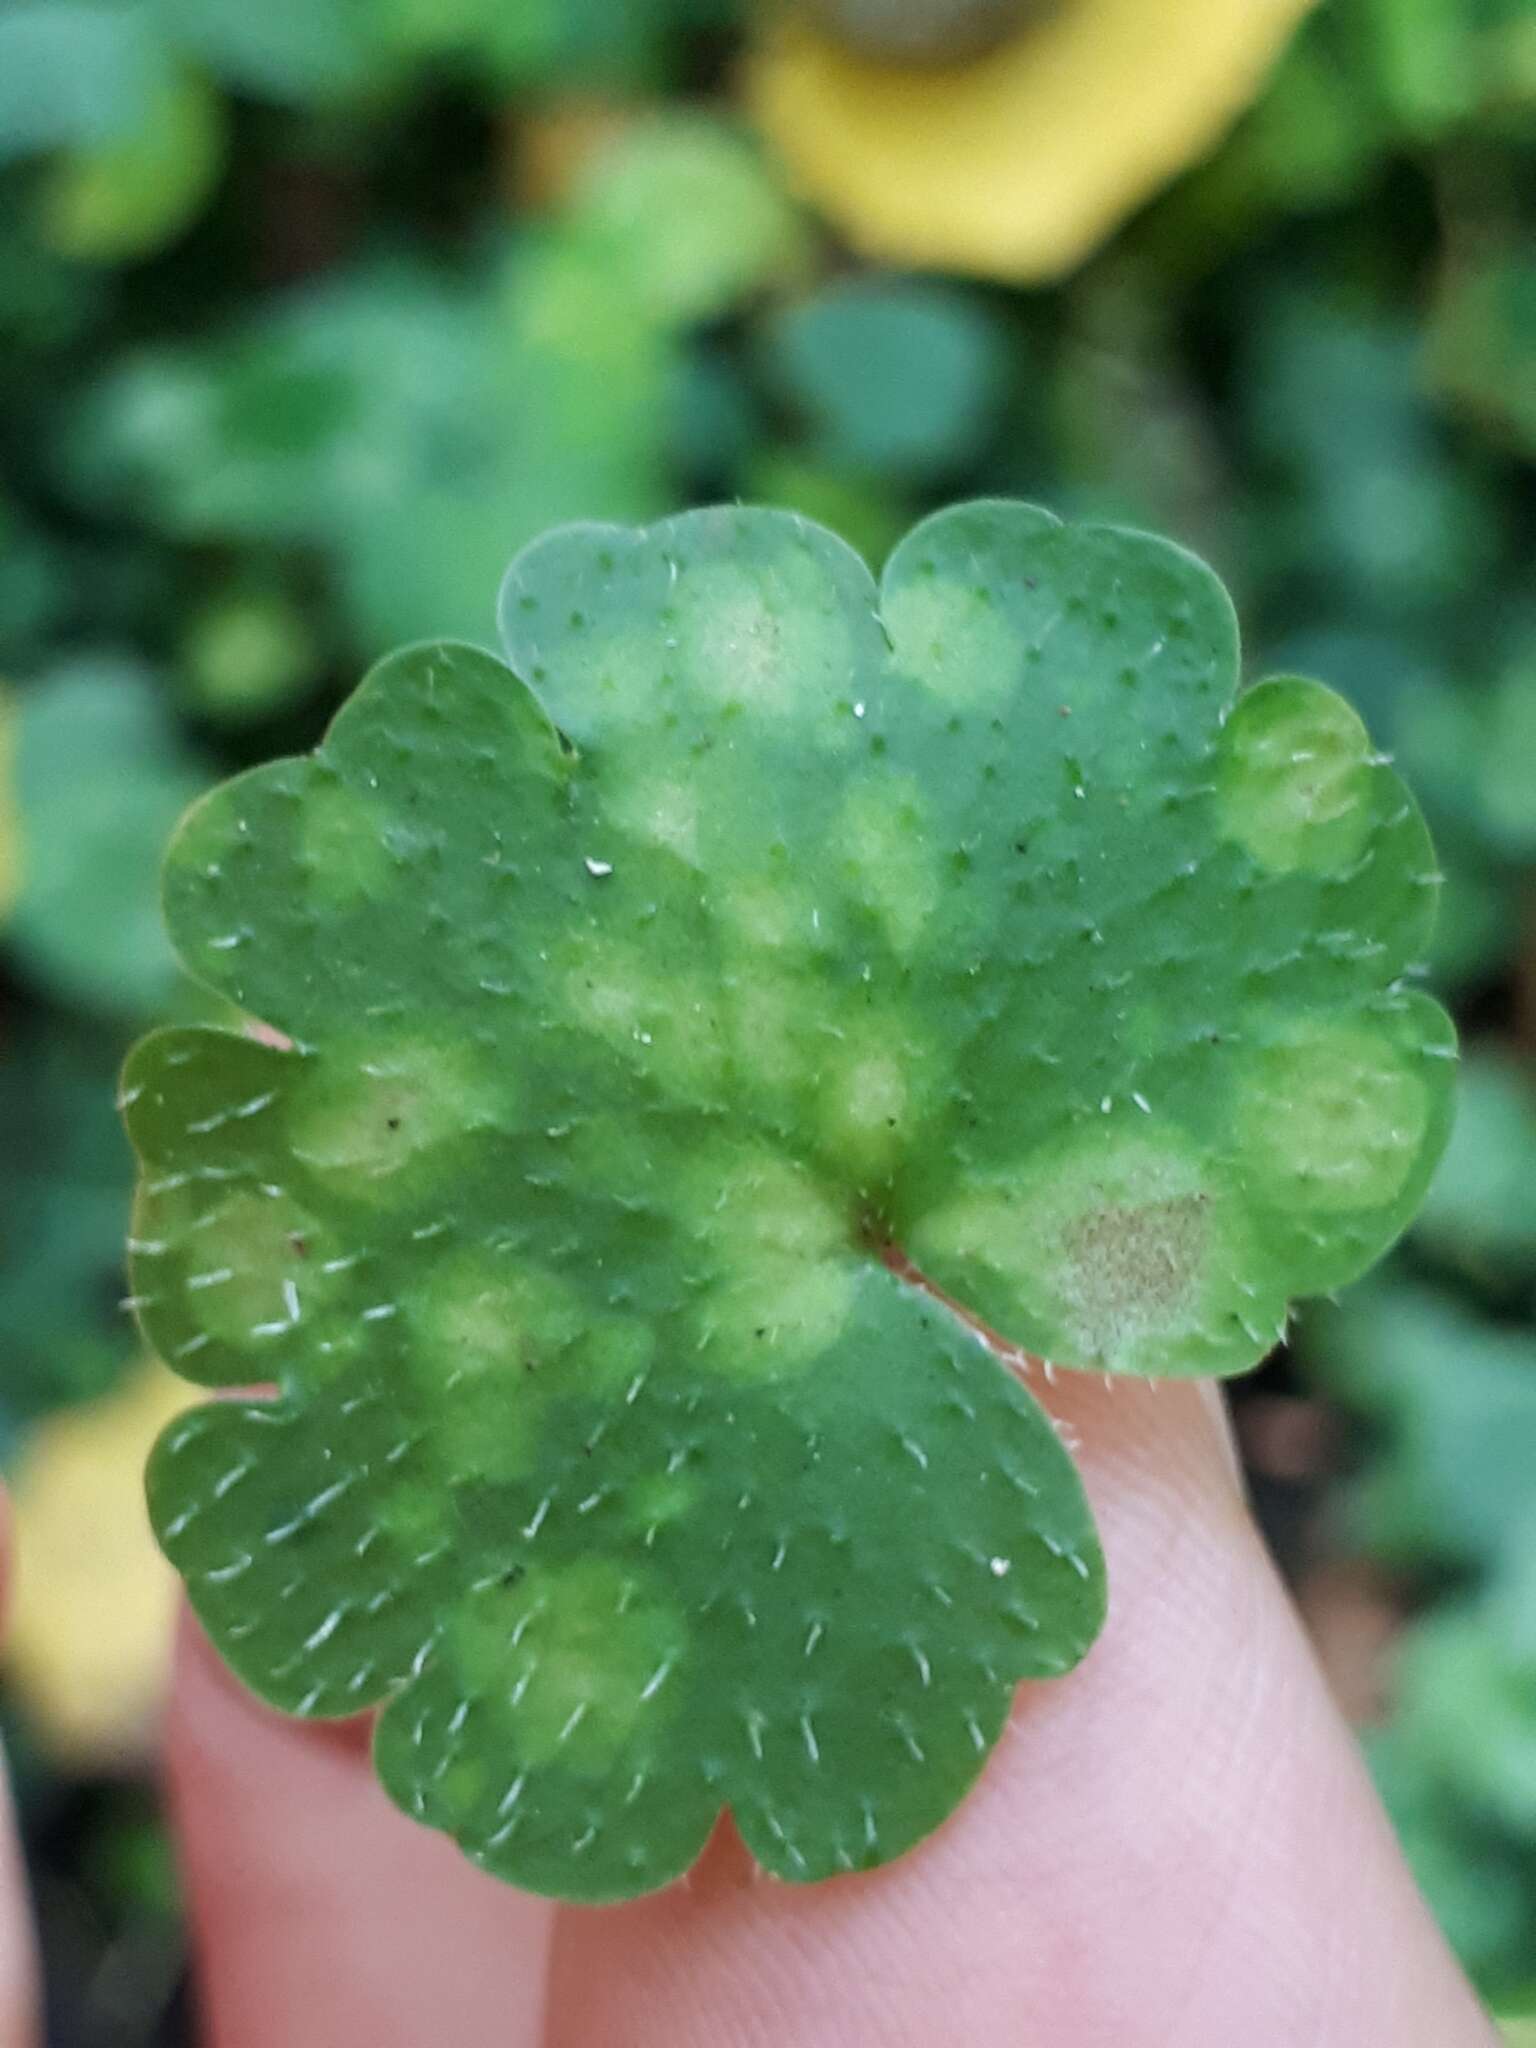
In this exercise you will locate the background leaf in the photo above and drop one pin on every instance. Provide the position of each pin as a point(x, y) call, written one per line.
point(899, 378)
point(101, 778)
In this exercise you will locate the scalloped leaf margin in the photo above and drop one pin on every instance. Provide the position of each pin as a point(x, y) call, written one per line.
point(639, 1013)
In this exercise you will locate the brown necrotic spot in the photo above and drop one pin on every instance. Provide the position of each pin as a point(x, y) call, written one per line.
point(1108, 1249)
point(1134, 1260)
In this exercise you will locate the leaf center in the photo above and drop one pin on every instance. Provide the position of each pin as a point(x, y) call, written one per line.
point(896, 1261)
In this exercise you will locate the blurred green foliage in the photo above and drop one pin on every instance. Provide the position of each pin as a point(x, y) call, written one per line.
point(1437, 1357)
point(101, 776)
point(313, 311)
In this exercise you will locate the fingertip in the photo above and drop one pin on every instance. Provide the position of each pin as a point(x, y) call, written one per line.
point(1175, 1841)
point(19, 1972)
point(321, 1914)
point(208, 1704)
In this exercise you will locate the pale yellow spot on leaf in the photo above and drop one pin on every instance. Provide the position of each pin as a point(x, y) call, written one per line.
point(739, 648)
point(763, 1203)
point(771, 1033)
point(955, 639)
point(478, 1313)
point(1294, 780)
point(1333, 1117)
point(418, 1518)
point(604, 678)
point(876, 1081)
point(885, 837)
point(490, 1342)
point(341, 843)
point(865, 1100)
point(772, 1315)
point(255, 1262)
point(578, 1657)
point(773, 644)
point(667, 1025)
point(767, 911)
point(786, 1271)
point(659, 809)
point(364, 1114)
point(612, 1353)
point(609, 990)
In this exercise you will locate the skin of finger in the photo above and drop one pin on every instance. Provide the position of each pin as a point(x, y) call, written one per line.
point(18, 1956)
point(1174, 1847)
point(19, 2000)
point(322, 1917)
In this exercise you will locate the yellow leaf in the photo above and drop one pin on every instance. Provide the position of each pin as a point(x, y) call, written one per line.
point(1018, 163)
point(93, 1601)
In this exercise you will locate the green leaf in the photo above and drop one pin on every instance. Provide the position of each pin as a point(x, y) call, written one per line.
point(132, 194)
point(1424, 56)
point(101, 777)
point(1456, 1763)
point(897, 376)
point(686, 212)
point(412, 427)
point(865, 514)
point(1480, 1210)
point(1476, 1877)
point(284, 49)
point(1437, 725)
point(1454, 1467)
point(1483, 339)
point(1467, 1707)
point(647, 1008)
point(63, 1205)
point(34, 588)
point(73, 74)
point(340, 51)
point(1506, 784)
point(1362, 494)
point(248, 652)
